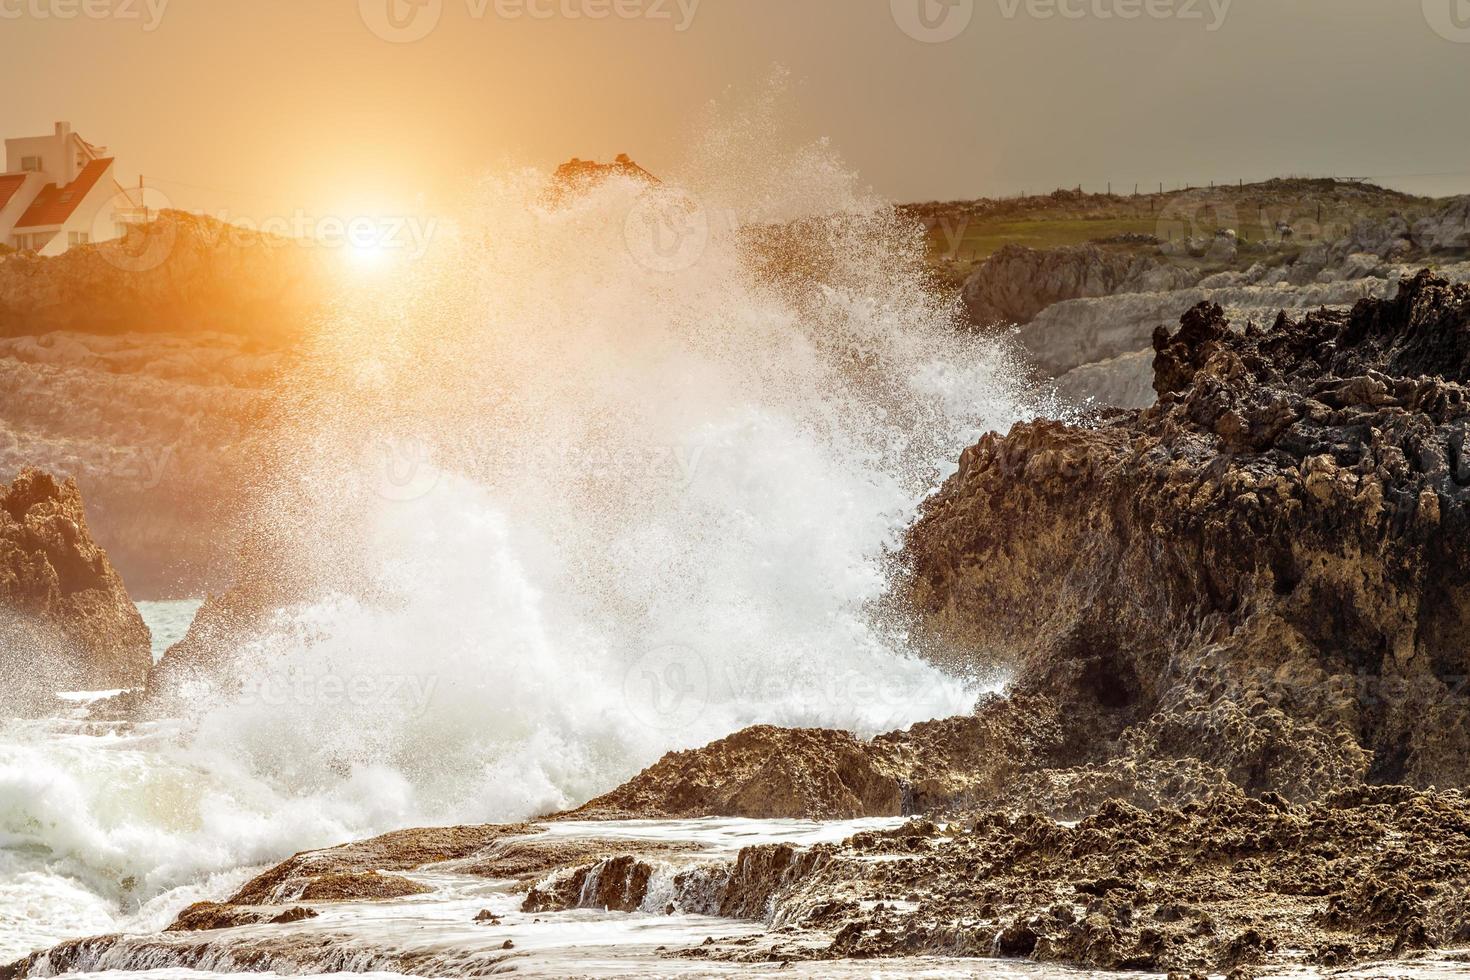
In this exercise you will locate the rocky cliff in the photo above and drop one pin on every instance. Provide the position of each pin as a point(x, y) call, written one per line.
point(161, 433)
point(66, 622)
point(180, 273)
point(1017, 283)
point(1261, 574)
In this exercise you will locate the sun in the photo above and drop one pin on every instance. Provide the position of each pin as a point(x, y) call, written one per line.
point(367, 257)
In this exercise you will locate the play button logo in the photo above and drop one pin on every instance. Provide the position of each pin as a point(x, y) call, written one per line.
point(932, 21)
point(401, 21)
point(1450, 19)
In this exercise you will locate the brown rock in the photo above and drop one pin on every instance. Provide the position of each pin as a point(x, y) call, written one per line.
point(67, 621)
point(760, 772)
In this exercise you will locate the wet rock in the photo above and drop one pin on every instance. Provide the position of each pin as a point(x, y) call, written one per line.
point(352, 870)
point(67, 621)
point(203, 916)
point(530, 858)
point(359, 886)
point(1259, 577)
point(760, 772)
point(618, 884)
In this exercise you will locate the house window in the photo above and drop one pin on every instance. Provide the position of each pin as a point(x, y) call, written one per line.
point(32, 164)
point(78, 238)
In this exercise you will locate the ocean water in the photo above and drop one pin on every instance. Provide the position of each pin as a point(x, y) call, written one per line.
point(168, 620)
point(603, 475)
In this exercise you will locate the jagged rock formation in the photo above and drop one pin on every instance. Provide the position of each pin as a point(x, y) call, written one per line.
point(759, 772)
point(770, 773)
point(1364, 874)
point(1017, 283)
point(577, 172)
point(66, 622)
point(1260, 574)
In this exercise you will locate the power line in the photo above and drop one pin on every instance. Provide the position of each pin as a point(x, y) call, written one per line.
point(217, 190)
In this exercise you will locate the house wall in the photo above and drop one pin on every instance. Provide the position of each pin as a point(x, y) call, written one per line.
point(62, 154)
point(93, 217)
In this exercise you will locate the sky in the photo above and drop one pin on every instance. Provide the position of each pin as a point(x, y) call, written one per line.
point(260, 107)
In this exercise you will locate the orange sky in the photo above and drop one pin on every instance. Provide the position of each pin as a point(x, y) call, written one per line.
point(265, 107)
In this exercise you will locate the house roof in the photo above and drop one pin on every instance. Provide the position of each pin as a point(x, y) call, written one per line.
point(55, 204)
point(9, 184)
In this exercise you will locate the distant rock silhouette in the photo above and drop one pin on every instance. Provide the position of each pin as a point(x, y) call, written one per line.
point(577, 172)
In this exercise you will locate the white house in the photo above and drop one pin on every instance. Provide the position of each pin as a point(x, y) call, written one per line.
point(58, 191)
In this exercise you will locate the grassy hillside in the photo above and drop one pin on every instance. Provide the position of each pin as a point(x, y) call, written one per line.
point(963, 234)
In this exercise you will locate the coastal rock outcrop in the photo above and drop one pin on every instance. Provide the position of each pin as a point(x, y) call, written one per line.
point(1017, 283)
point(759, 772)
point(1262, 574)
point(1256, 586)
point(67, 622)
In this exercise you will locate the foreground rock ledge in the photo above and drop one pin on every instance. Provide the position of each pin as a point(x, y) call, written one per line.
point(1370, 874)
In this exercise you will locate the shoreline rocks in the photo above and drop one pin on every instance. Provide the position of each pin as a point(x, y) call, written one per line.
point(1261, 574)
point(67, 623)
